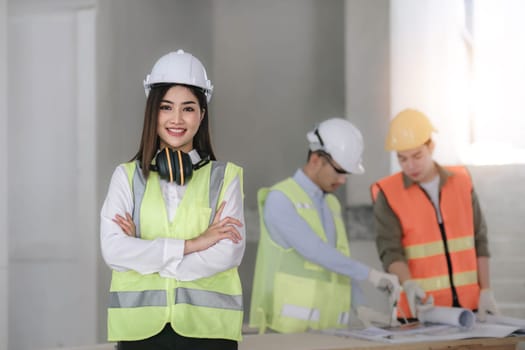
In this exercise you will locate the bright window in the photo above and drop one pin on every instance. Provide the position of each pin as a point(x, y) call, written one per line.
point(496, 36)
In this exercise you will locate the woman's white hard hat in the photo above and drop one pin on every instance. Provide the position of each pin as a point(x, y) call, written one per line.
point(179, 67)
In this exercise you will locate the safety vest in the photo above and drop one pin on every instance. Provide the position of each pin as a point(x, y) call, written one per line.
point(423, 242)
point(291, 294)
point(141, 305)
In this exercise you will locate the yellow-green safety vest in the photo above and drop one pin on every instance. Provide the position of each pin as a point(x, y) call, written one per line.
point(291, 294)
point(141, 305)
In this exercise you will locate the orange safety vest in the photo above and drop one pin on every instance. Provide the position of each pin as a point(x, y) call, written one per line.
point(423, 242)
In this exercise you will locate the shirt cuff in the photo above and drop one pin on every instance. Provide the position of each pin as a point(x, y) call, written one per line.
point(173, 254)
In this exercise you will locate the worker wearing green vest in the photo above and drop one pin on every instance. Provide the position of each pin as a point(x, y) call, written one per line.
point(303, 267)
point(172, 224)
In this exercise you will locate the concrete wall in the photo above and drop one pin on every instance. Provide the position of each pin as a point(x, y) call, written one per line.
point(4, 261)
point(500, 189)
point(368, 90)
point(278, 67)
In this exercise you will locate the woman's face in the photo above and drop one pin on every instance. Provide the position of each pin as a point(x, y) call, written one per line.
point(179, 119)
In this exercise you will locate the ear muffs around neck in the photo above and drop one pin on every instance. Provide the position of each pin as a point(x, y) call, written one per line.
point(174, 166)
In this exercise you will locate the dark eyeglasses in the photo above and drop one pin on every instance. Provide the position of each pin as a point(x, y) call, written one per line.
point(330, 161)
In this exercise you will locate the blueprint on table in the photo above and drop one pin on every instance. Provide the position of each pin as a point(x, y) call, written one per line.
point(494, 327)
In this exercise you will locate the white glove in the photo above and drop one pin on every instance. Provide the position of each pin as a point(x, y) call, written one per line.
point(370, 317)
point(487, 304)
point(385, 282)
point(415, 297)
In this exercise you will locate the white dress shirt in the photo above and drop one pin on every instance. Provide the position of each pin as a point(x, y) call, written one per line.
point(166, 255)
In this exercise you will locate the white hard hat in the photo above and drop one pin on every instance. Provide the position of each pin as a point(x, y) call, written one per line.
point(181, 68)
point(341, 140)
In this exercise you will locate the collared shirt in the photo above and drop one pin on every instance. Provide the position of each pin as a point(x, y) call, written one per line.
point(288, 229)
point(389, 232)
point(166, 255)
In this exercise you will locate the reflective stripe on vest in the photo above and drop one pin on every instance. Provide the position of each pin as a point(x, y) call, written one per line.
point(137, 299)
point(309, 314)
point(435, 248)
point(442, 282)
point(199, 297)
point(300, 313)
point(216, 180)
point(196, 297)
point(139, 185)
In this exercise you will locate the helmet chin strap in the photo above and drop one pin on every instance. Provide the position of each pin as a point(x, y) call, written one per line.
point(315, 141)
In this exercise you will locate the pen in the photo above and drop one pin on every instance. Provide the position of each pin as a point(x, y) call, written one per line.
point(401, 312)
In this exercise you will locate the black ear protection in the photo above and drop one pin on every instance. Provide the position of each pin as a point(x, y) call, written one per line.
point(176, 166)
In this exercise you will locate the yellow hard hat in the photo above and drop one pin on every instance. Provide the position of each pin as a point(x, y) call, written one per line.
point(409, 129)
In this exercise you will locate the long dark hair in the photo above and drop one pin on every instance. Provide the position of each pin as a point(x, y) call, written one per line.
point(150, 141)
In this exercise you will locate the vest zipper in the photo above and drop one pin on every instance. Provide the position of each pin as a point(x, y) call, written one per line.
point(455, 300)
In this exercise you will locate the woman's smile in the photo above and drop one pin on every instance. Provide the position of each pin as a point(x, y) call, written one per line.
point(176, 132)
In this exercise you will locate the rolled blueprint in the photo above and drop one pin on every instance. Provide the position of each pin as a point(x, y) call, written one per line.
point(453, 316)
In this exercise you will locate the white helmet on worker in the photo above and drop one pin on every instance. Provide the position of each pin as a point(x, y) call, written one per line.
point(341, 140)
point(409, 129)
point(179, 67)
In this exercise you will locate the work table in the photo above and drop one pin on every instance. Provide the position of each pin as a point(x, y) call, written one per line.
point(317, 341)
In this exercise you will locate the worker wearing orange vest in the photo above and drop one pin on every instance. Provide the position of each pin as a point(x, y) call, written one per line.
point(430, 229)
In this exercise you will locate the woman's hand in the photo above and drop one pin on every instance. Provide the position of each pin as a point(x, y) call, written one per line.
point(126, 224)
point(218, 230)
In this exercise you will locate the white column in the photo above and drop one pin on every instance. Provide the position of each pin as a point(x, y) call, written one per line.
point(53, 211)
point(87, 206)
point(429, 69)
point(4, 262)
point(367, 93)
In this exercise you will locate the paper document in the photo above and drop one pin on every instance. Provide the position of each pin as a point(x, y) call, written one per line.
point(510, 321)
point(453, 316)
point(458, 325)
point(428, 333)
